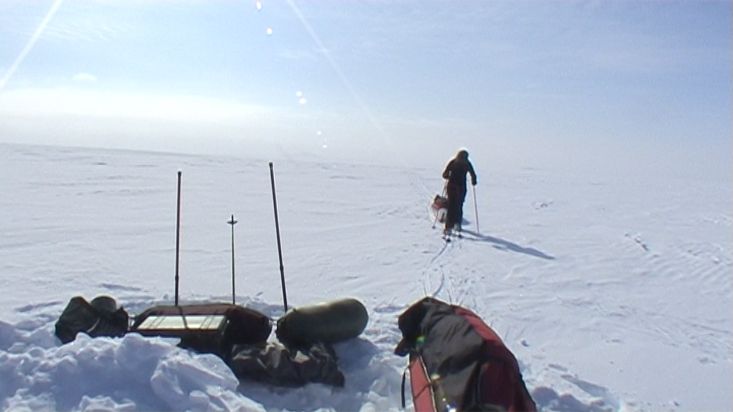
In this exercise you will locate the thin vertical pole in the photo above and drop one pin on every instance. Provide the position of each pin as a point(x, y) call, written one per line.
point(178, 231)
point(279, 247)
point(475, 209)
point(437, 214)
point(233, 222)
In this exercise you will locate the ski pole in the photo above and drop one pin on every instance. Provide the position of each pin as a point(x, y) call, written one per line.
point(279, 247)
point(475, 209)
point(233, 222)
point(178, 231)
point(437, 214)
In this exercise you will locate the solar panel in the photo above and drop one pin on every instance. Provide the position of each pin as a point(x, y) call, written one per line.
point(181, 322)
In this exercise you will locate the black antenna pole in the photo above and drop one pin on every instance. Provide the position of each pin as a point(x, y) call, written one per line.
point(233, 222)
point(279, 247)
point(178, 231)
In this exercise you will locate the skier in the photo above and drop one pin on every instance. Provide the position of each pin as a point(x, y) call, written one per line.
point(455, 173)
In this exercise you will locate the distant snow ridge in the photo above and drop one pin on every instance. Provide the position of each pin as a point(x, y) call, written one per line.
point(131, 373)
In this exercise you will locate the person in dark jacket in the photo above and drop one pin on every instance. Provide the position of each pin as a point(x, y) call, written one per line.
point(455, 172)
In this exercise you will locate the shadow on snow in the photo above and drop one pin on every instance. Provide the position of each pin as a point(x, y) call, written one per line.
point(502, 244)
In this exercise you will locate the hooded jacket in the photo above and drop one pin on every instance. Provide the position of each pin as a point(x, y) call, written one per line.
point(457, 169)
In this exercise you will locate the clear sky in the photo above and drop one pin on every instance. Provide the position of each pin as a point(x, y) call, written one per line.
point(336, 73)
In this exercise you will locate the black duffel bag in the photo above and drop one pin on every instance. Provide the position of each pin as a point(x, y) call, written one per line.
point(101, 317)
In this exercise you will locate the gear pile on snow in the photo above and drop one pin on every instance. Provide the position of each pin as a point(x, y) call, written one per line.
point(456, 362)
point(238, 335)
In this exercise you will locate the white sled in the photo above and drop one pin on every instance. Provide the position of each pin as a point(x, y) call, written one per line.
point(439, 207)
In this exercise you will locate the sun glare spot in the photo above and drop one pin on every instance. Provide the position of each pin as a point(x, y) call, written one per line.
point(269, 31)
point(301, 97)
point(258, 4)
point(31, 42)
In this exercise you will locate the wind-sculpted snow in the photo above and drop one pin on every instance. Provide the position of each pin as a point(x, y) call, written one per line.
point(613, 291)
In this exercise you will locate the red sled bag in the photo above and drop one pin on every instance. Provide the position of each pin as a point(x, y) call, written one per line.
point(458, 363)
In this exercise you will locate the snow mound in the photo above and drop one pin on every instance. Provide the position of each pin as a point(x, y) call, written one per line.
point(130, 373)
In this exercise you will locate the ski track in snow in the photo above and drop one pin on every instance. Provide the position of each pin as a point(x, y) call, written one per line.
point(596, 288)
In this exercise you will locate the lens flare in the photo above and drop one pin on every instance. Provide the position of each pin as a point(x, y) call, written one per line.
point(31, 42)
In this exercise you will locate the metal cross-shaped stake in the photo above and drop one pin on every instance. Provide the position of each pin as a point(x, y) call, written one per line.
point(233, 222)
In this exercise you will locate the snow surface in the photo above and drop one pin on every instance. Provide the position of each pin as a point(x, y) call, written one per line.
point(612, 290)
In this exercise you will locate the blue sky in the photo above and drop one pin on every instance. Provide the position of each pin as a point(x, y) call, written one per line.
point(377, 72)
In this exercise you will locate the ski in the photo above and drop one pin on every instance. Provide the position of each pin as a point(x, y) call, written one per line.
point(448, 237)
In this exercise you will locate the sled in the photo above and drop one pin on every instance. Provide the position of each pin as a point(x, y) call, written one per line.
point(439, 207)
point(205, 328)
point(457, 362)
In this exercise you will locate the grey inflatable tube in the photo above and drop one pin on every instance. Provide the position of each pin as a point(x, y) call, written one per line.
point(328, 322)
